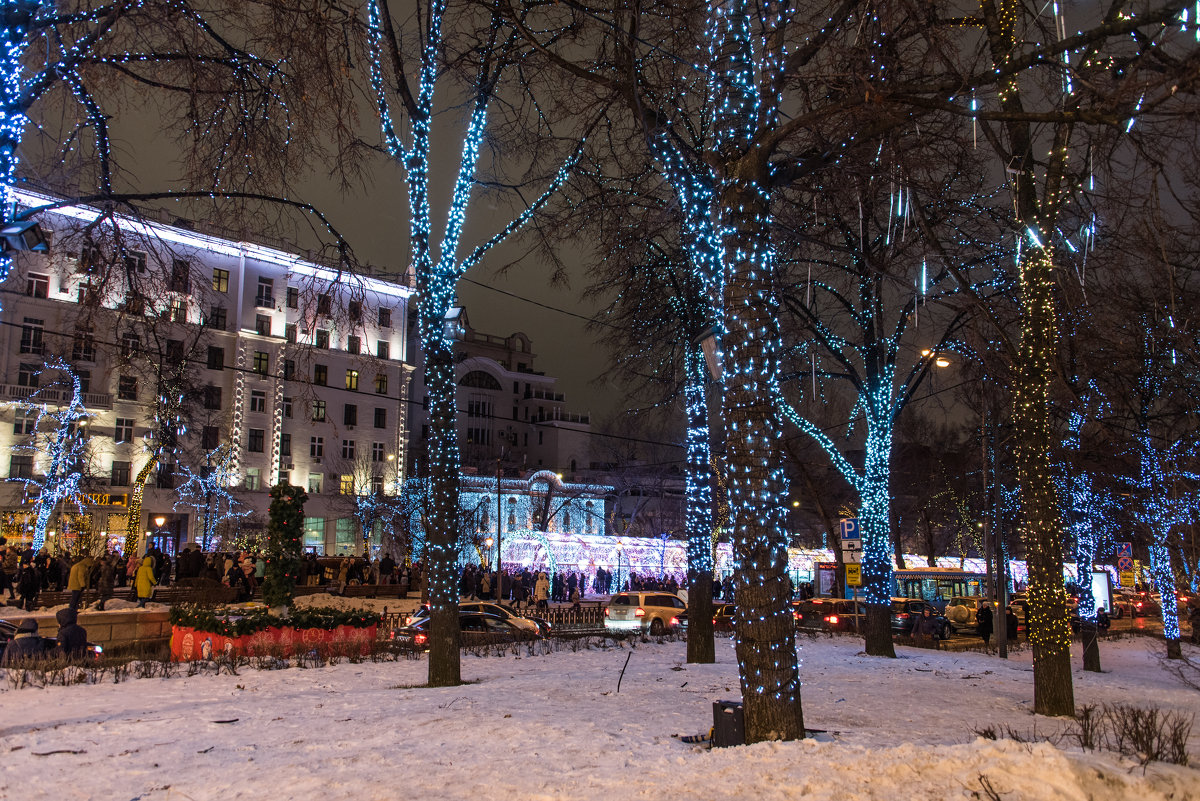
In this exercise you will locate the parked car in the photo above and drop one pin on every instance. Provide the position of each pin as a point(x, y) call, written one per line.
point(534, 625)
point(829, 614)
point(723, 617)
point(8, 630)
point(962, 611)
point(477, 628)
point(906, 610)
point(1145, 605)
point(653, 612)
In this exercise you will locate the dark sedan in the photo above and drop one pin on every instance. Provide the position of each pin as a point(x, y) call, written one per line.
point(477, 628)
point(905, 611)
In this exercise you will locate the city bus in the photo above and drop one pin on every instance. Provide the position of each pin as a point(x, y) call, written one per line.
point(937, 584)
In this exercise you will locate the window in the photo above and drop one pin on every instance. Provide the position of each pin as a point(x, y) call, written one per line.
point(314, 488)
point(385, 318)
point(27, 376)
point(38, 286)
point(212, 397)
point(25, 423)
point(377, 452)
point(127, 388)
point(540, 433)
point(135, 303)
point(262, 362)
point(284, 477)
point(322, 339)
point(88, 295)
point(21, 466)
point(258, 400)
point(377, 485)
point(316, 447)
point(318, 411)
point(354, 344)
point(123, 430)
point(266, 293)
point(218, 318)
point(135, 262)
point(320, 374)
point(166, 476)
point(314, 527)
point(181, 276)
point(354, 310)
point(130, 345)
point(120, 474)
point(210, 438)
point(289, 332)
point(289, 369)
point(352, 380)
point(256, 440)
point(253, 478)
point(285, 445)
point(177, 311)
point(380, 417)
point(346, 485)
point(220, 282)
point(350, 415)
point(383, 350)
point(347, 541)
point(262, 324)
point(84, 346)
point(287, 408)
point(216, 358)
point(32, 331)
point(293, 297)
point(381, 383)
point(347, 449)
point(324, 304)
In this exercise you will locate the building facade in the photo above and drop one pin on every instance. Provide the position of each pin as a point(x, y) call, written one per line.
point(210, 369)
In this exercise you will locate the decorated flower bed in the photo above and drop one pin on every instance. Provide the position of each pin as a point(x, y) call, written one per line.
point(202, 633)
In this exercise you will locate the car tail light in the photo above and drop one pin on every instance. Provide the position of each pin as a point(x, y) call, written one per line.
point(714, 621)
point(1138, 604)
point(797, 615)
point(640, 612)
point(606, 611)
point(674, 622)
point(832, 620)
point(903, 616)
point(421, 639)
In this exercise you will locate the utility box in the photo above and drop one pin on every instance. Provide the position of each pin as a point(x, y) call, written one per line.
point(729, 724)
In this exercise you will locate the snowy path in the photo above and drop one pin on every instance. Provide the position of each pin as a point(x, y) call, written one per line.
point(554, 727)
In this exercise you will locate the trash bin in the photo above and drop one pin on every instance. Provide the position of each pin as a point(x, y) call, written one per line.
point(729, 724)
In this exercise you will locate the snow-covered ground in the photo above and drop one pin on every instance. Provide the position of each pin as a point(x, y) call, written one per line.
point(555, 727)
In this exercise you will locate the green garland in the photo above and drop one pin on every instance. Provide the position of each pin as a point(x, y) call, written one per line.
point(240, 622)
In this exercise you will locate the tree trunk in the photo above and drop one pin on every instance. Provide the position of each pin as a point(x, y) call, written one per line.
point(440, 551)
point(766, 642)
point(1164, 582)
point(701, 648)
point(1091, 646)
point(875, 522)
point(1049, 630)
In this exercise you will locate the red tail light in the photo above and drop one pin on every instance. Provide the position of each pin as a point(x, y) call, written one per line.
point(421, 639)
point(674, 622)
point(903, 615)
point(832, 620)
point(714, 621)
point(639, 612)
point(1138, 604)
point(797, 615)
point(606, 611)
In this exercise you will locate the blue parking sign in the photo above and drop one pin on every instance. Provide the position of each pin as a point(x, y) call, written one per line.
point(850, 530)
point(1125, 549)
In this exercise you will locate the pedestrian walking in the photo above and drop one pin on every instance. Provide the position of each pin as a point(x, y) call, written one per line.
point(983, 626)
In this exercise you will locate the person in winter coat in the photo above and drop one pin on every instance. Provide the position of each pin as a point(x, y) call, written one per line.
point(72, 637)
point(1010, 624)
point(29, 584)
point(25, 646)
point(541, 591)
point(77, 580)
point(145, 581)
point(983, 626)
point(925, 628)
point(106, 575)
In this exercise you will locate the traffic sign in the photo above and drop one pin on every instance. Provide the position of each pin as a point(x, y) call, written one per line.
point(1125, 564)
point(851, 545)
point(1127, 578)
point(850, 529)
point(853, 575)
point(1124, 549)
point(851, 557)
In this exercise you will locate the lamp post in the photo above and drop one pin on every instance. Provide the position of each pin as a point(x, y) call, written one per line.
point(620, 549)
point(499, 528)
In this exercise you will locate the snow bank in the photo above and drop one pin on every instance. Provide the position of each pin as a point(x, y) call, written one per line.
point(554, 727)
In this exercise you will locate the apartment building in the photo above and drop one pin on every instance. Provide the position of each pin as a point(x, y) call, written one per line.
point(203, 356)
point(507, 410)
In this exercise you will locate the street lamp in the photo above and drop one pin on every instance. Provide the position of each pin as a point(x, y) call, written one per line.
point(159, 521)
point(620, 549)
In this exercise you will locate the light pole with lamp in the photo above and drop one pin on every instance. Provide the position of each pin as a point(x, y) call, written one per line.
point(620, 550)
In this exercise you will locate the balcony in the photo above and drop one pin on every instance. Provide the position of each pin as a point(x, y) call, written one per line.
point(92, 400)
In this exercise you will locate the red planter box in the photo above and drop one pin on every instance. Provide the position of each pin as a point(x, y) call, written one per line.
point(188, 644)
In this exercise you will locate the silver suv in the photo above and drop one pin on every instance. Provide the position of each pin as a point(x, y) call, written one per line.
point(655, 612)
